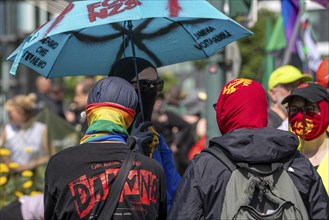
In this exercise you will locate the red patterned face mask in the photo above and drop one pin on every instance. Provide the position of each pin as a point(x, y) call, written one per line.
point(308, 127)
point(312, 125)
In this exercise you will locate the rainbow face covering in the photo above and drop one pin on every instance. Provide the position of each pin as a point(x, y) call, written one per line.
point(107, 121)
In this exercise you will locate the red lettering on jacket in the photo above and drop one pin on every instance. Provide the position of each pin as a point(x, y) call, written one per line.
point(87, 191)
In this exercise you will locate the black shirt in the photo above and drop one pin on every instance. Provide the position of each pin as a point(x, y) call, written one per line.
point(78, 179)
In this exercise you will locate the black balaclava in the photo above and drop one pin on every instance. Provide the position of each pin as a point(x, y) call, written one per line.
point(124, 68)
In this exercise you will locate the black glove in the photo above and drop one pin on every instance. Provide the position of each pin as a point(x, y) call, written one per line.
point(142, 135)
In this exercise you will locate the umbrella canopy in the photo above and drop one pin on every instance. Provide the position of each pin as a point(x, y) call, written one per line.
point(89, 36)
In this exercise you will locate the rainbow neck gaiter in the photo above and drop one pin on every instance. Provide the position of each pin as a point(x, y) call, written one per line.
point(107, 122)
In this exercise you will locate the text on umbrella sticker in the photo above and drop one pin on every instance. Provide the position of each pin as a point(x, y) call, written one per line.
point(203, 33)
point(108, 8)
point(35, 57)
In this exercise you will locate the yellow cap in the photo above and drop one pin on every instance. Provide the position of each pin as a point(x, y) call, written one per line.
point(287, 74)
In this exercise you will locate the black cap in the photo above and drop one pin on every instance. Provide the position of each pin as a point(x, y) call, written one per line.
point(312, 92)
point(125, 69)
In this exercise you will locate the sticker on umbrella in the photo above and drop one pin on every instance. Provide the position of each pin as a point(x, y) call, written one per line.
point(37, 55)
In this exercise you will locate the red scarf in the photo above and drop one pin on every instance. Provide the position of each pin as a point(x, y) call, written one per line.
point(241, 104)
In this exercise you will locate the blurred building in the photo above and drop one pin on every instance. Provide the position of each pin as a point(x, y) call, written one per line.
point(319, 18)
point(18, 19)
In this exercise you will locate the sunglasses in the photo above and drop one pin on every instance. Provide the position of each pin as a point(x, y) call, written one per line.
point(145, 84)
point(307, 109)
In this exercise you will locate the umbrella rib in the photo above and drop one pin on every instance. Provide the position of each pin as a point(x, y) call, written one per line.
point(144, 24)
point(122, 32)
point(166, 29)
point(189, 32)
point(161, 31)
point(174, 24)
point(122, 48)
point(93, 39)
point(138, 41)
point(48, 75)
point(142, 47)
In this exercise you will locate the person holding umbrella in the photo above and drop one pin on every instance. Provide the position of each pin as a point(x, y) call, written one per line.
point(150, 84)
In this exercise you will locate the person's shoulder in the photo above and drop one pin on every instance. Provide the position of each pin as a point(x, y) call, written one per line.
point(301, 166)
point(149, 162)
point(66, 154)
point(301, 159)
point(144, 158)
point(207, 161)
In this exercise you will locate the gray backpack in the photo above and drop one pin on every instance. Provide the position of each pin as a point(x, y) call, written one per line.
point(263, 191)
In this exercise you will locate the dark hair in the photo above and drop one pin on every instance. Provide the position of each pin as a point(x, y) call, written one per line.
point(87, 85)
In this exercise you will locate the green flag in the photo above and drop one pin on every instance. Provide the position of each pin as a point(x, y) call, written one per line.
point(61, 134)
point(275, 43)
point(269, 59)
point(277, 39)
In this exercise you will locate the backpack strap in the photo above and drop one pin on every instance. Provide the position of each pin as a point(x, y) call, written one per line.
point(116, 188)
point(289, 160)
point(220, 155)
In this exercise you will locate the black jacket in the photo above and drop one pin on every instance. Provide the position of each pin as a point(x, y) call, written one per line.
point(77, 182)
point(201, 191)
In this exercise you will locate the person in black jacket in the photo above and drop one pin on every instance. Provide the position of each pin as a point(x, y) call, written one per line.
point(241, 113)
point(78, 179)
